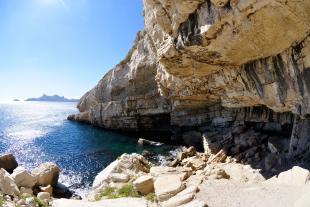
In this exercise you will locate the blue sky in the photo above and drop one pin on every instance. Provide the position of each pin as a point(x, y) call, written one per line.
point(62, 46)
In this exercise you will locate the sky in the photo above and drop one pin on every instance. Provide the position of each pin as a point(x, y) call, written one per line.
point(62, 47)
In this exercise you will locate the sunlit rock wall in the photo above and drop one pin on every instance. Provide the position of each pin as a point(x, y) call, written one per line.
point(210, 61)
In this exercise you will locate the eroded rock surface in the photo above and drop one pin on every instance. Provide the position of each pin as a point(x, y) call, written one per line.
point(218, 63)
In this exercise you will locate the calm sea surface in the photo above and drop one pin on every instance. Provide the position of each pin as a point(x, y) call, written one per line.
point(37, 132)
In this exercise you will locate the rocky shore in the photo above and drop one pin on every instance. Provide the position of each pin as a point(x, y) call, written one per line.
point(192, 179)
point(38, 188)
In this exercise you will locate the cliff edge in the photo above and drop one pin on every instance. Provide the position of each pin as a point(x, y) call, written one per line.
point(212, 66)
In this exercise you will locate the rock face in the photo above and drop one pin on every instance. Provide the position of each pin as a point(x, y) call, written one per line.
point(127, 95)
point(212, 62)
point(46, 174)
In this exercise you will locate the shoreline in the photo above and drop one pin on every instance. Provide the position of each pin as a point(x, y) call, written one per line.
point(133, 181)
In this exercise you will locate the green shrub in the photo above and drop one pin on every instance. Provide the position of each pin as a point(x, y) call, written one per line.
point(24, 197)
point(40, 202)
point(113, 193)
point(128, 191)
point(151, 197)
point(2, 201)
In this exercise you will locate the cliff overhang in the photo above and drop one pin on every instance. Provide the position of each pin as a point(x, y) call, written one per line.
point(212, 65)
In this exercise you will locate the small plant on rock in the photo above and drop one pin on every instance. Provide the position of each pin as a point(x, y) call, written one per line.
point(128, 191)
point(151, 197)
point(2, 201)
point(40, 202)
point(113, 193)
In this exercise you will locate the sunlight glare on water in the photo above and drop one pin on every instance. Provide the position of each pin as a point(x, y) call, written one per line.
point(37, 132)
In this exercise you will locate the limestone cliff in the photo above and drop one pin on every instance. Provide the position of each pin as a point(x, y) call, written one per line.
point(211, 63)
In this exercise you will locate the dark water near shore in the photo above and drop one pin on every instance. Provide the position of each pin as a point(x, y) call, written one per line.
point(37, 132)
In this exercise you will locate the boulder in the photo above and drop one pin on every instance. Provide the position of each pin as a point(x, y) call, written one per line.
point(174, 163)
point(43, 196)
point(194, 162)
point(182, 172)
point(46, 174)
point(23, 178)
point(176, 201)
point(167, 186)
point(119, 177)
point(8, 162)
point(48, 189)
point(181, 198)
point(131, 165)
point(146, 142)
point(188, 190)
point(219, 157)
point(27, 191)
point(144, 184)
point(61, 191)
point(190, 152)
point(7, 184)
point(295, 176)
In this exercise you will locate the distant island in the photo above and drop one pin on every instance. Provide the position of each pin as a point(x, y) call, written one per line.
point(54, 98)
point(16, 100)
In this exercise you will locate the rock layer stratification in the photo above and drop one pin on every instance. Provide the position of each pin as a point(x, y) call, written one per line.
point(212, 63)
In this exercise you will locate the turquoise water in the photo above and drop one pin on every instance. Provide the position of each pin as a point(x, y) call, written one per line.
point(37, 132)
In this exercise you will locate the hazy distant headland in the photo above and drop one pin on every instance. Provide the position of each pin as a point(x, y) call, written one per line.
point(54, 98)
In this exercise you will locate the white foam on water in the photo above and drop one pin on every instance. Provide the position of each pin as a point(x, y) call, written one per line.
point(76, 183)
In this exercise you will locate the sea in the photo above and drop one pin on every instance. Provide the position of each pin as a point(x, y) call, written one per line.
point(38, 132)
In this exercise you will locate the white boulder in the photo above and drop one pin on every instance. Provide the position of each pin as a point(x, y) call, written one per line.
point(131, 165)
point(144, 184)
point(23, 178)
point(167, 186)
point(46, 174)
point(27, 191)
point(294, 176)
point(7, 184)
point(43, 196)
